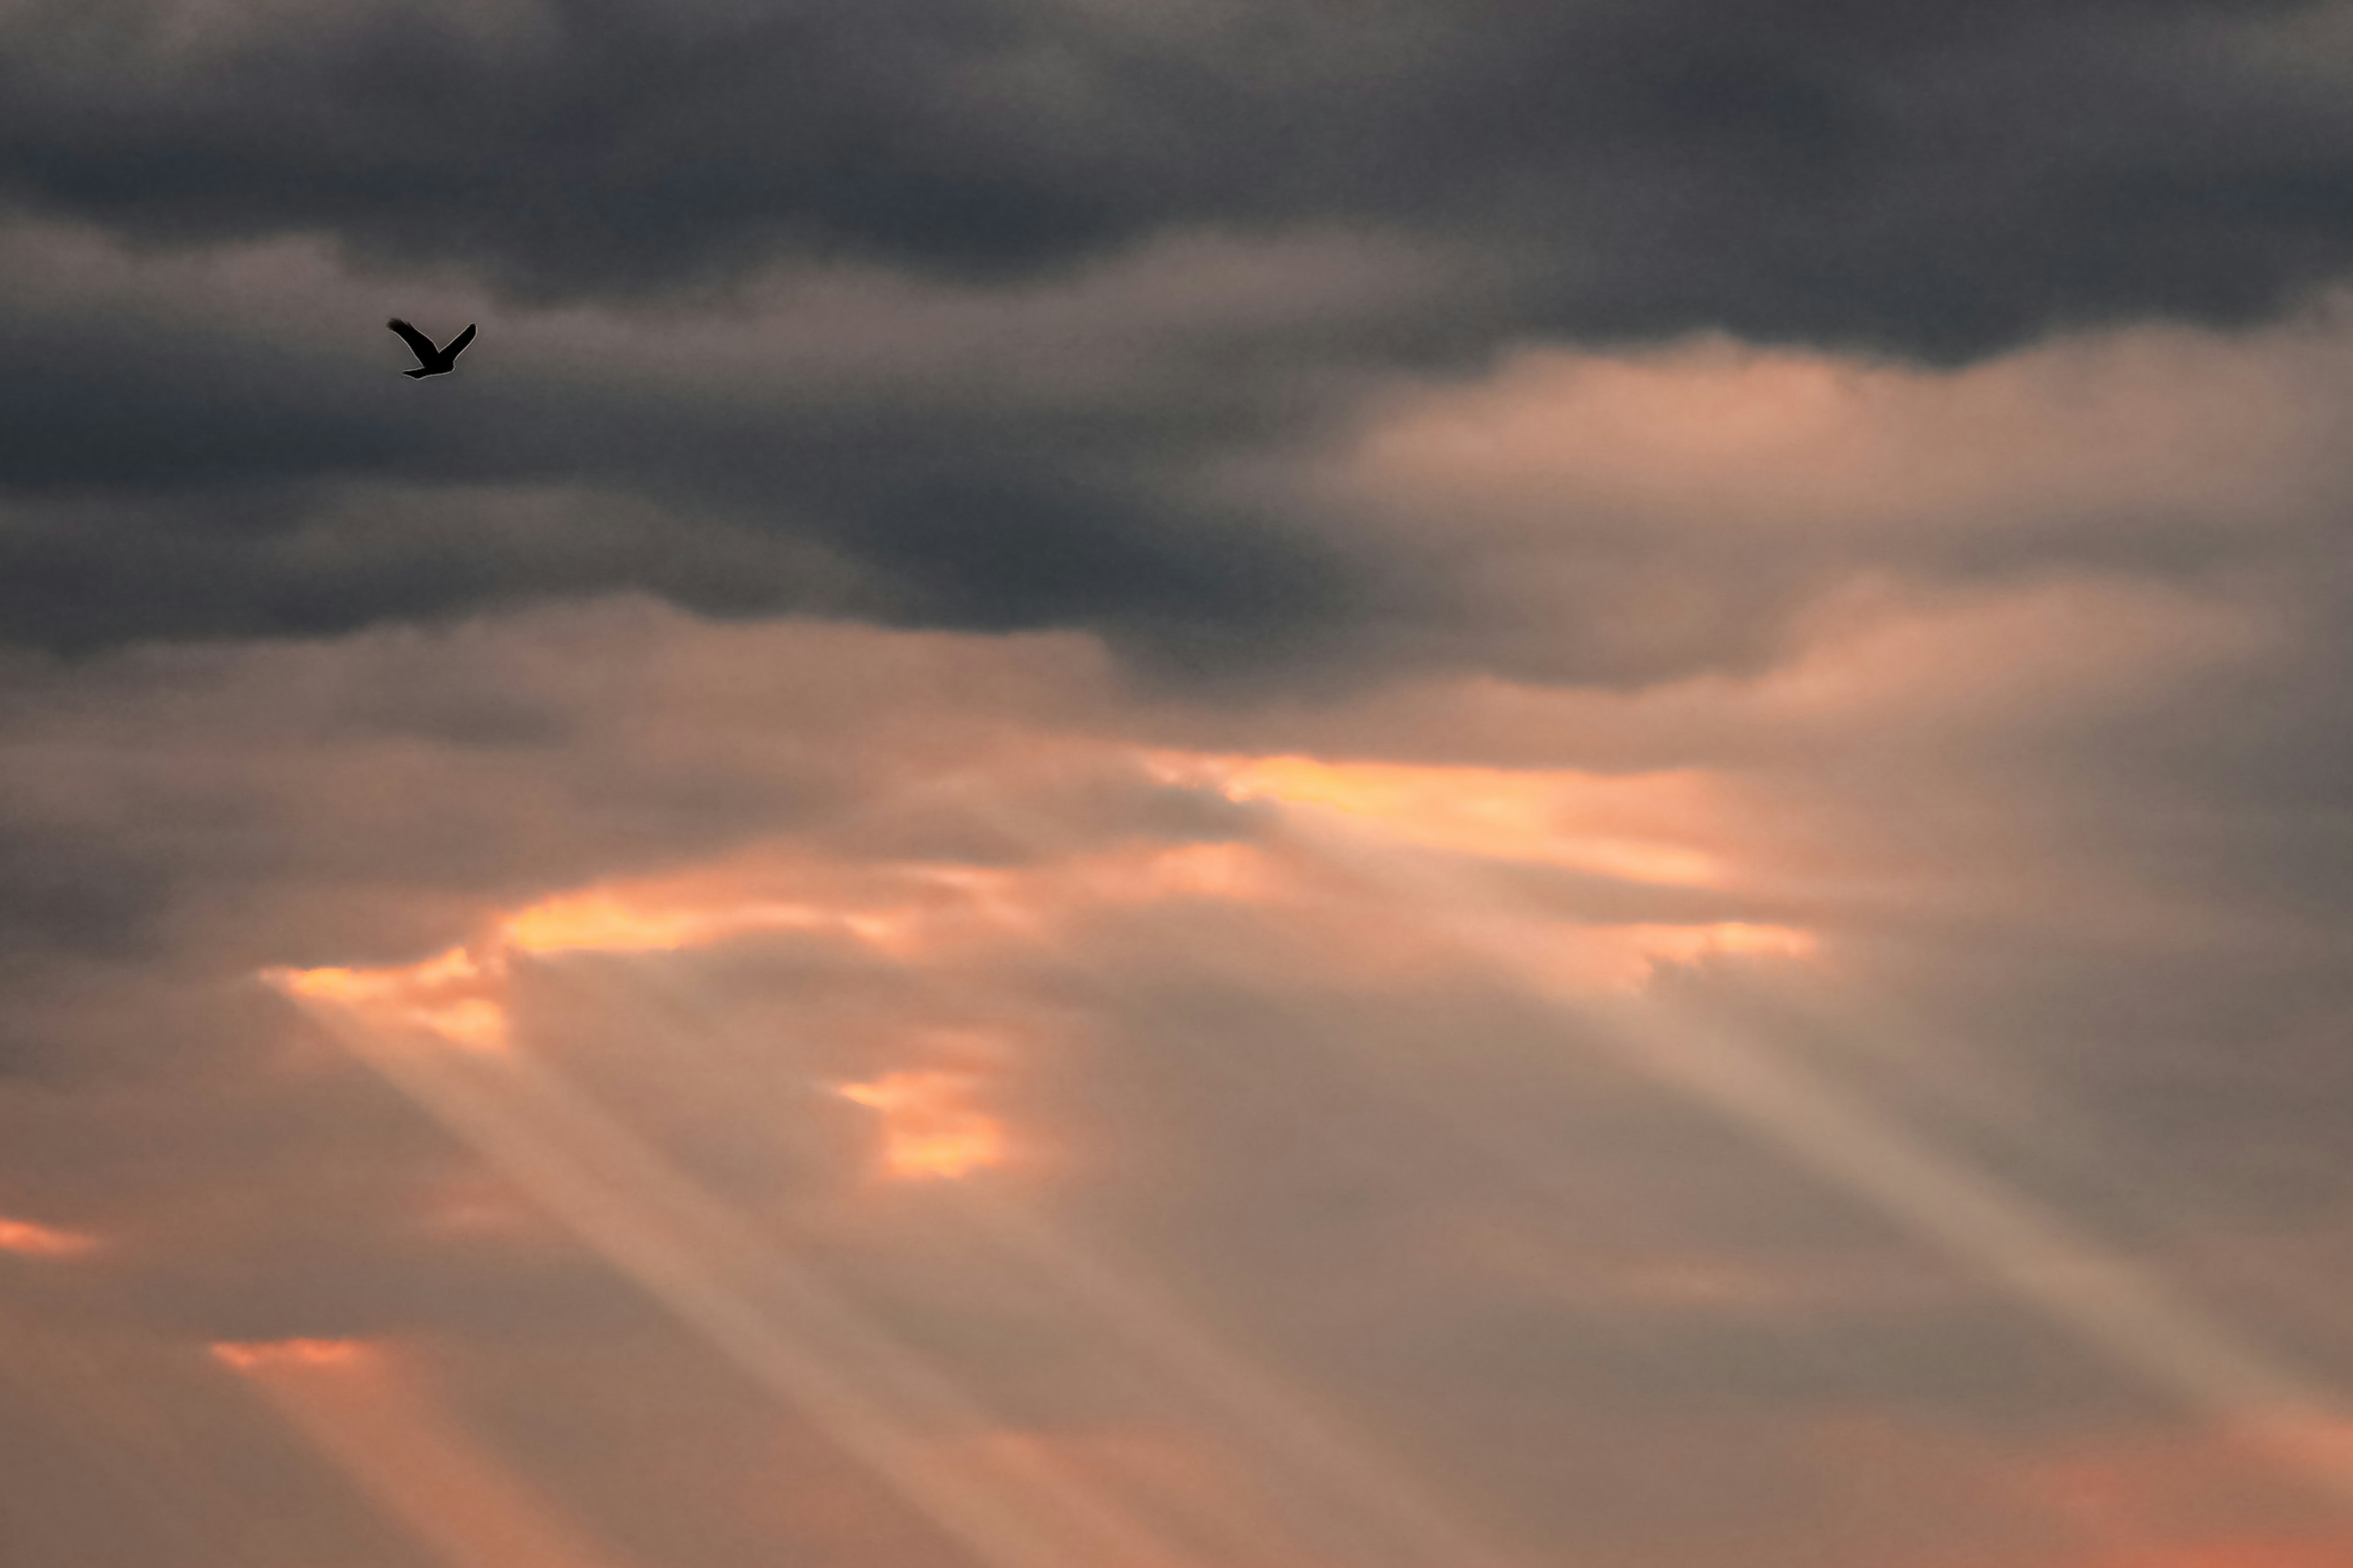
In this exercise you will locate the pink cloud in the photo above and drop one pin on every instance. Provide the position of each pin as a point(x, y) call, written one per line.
point(29, 1239)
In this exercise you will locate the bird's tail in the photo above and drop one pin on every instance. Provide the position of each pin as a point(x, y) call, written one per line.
point(415, 373)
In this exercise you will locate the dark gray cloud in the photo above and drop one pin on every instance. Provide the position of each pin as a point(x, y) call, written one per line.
point(190, 466)
point(1008, 368)
point(1894, 174)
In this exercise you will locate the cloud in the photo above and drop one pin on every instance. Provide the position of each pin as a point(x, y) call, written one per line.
point(959, 849)
point(928, 1130)
point(1050, 315)
point(1892, 178)
point(733, 866)
point(29, 1239)
point(790, 468)
point(1189, 448)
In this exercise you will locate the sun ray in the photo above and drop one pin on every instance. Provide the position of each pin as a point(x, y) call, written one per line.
point(1386, 1513)
point(878, 1400)
point(362, 1408)
point(2120, 1308)
point(1016, 1505)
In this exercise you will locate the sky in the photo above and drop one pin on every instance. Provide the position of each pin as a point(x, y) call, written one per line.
point(1209, 784)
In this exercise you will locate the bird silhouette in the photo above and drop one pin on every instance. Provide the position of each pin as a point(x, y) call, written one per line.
point(431, 361)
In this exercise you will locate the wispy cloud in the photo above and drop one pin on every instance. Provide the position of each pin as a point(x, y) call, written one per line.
point(29, 1239)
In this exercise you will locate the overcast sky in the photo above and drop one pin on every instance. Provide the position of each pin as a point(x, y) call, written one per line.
point(1177, 783)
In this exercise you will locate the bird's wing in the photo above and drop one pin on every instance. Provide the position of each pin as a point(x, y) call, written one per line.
point(459, 342)
point(419, 343)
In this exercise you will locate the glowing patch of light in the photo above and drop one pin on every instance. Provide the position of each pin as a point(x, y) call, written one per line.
point(256, 1356)
point(449, 995)
point(27, 1238)
point(598, 921)
point(893, 931)
point(602, 920)
point(1575, 958)
point(1550, 816)
point(1209, 871)
point(457, 993)
point(929, 1127)
point(1689, 945)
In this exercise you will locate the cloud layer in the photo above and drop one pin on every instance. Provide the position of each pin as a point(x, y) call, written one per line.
point(964, 315)
point(1890, 175)
point(1203, 786)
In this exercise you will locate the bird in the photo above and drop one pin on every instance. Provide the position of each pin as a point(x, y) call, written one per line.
point(431, 361)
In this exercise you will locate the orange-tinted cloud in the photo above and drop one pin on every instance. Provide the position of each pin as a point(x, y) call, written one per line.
point(603, 920)
point(2188, 1497)
point(27, 1238)
point(263, 1355)
point(454, 994)
point(1610, 826)
point(1666, 830)
point(930, 1126)
point(1719, 435)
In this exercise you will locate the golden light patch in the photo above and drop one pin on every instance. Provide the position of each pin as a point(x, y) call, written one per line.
point(459, 994)
point(1689, 945)
point(1652, 828)
point(259, 1356)
point(930, 1128)
point(905, 910)
point(598, 921)
point(452, 994)
point(607, 922)
point(27, 1238)
point(1578, 820)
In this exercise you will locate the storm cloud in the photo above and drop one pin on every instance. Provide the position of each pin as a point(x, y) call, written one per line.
point(964, 314)
point(1899, 174)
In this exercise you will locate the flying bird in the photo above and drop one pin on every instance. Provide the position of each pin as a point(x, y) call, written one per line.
point(431, 361)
